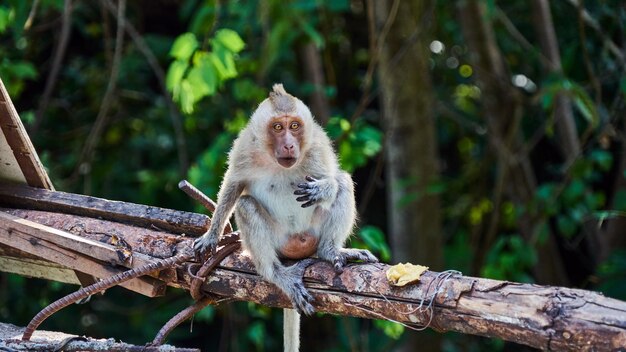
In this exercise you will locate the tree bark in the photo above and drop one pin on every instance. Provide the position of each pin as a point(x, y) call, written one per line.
point(314, 73)
point(410, 140)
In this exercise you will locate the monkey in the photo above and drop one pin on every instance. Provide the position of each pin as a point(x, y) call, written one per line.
point(290, 199)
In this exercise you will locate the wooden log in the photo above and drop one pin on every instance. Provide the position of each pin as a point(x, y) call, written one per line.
point(543, 317)
point(174, 221)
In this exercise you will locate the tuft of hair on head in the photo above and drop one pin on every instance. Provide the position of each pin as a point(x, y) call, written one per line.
point(282, 102)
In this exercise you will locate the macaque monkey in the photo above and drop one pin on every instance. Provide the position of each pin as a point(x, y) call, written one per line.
point(290, 198)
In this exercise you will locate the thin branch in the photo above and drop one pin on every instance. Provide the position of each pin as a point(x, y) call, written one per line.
point(519, 37)
point(31, 15)
point(181, 144)
point(53, 75)
point(586, 59)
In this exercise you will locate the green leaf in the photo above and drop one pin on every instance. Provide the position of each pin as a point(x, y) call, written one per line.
point(184, 46)
point(545, 192)
point(223, 61)
point(389, 328)
point(203, 77)
point(312, 33)
point(586, 107)
point(205, 314)
point(175, 75)
point(256, 333)
point(574, 191)
point(23, 69)
point(602, 158)
point(186, 97)
point(204, 19)
point(198, 84)
point(567, 227)
point(230, 40)
point(374, 239)
point(5, 18)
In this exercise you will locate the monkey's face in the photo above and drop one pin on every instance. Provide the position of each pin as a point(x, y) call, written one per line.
point(285, 138)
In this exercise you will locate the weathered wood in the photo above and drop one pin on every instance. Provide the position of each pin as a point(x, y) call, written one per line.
point(543, 317)
point(18, 158)
point(174, 221)
point(57, 341)
point(41, 241)
point(18, 262)
point(145, 241)
point(539, 316)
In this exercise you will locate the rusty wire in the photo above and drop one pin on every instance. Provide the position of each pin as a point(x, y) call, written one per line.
point(98, 287)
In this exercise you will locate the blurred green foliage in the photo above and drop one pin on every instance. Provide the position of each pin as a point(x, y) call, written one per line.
point(220, 58)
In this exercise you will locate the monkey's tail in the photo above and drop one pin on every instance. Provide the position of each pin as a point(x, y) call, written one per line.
point(291, 330)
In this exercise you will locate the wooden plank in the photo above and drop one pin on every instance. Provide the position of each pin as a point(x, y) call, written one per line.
point(146, 245)
point(96, 250)
point(18, 233)
point(9, 168)
point(40, 269)
point(174, 221)
point(19, 143)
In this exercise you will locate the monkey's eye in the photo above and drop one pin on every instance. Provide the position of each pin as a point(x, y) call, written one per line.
point(277, 127)
point(294, 126)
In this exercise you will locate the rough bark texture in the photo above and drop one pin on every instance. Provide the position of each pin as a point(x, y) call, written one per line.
point(538, 316)
point(414, 219)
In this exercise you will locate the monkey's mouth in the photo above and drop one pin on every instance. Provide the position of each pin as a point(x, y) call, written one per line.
point(286, 162)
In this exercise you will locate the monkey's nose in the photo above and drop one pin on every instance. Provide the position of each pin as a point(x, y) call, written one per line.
point(288, 147)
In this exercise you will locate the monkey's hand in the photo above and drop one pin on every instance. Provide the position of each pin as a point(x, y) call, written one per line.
point(314, 191)
point(350, 254)
point(206, 243)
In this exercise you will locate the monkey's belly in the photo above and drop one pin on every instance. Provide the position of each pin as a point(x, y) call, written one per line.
point(299, 246)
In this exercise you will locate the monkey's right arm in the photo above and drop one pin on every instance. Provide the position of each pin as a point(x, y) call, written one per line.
point(229, 193)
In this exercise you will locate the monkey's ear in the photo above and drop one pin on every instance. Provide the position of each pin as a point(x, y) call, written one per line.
point(282, 102)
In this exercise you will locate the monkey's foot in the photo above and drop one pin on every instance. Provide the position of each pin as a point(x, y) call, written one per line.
point(352, 254)
point(300, 297)
point(204, 244)
point(302, 300)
